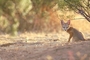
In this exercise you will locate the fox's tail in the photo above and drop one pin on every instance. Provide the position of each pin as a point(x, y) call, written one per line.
point(87, 39)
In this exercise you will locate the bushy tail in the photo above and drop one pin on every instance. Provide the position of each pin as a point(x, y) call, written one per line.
point(87, 39)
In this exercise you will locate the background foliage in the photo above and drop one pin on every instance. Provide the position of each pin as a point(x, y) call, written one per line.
point(37, 15)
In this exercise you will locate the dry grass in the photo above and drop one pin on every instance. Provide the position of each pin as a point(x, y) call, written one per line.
point(82, 25)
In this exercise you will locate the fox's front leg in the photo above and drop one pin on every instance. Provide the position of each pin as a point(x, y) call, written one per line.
point(70, 37)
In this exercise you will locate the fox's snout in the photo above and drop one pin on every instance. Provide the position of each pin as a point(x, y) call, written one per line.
point(65, 28)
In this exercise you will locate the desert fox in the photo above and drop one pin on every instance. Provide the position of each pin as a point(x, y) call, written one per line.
point(74, 33)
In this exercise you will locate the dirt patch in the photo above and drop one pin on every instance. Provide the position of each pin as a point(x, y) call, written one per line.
point(51, 47)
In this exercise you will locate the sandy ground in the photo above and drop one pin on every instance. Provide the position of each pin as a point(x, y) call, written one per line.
point(43, 47)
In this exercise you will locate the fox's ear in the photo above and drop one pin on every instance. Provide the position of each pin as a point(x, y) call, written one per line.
point(61, 21)
point(68, 22)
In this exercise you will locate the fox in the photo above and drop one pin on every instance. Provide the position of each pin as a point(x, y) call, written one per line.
point(74, 34)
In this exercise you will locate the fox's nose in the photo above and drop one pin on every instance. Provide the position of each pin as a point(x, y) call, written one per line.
point(65, 29)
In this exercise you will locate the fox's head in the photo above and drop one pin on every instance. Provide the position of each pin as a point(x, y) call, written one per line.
point(65, 25)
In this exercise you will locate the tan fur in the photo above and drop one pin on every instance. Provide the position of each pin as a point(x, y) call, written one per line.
point(74, 33)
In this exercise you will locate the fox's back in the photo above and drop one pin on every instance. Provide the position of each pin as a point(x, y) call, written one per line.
point(76, 34)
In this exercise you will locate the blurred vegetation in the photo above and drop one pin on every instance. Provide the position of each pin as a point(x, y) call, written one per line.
point(37, 15)
point(79, 6)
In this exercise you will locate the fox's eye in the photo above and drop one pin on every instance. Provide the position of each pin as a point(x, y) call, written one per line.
point(64, 27)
